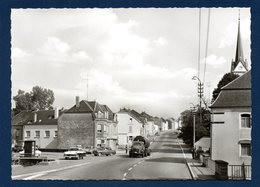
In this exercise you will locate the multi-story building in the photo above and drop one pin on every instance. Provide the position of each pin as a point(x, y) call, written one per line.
point(40, 126)
point(130, 124)
point(87, 123)
point(231, 125)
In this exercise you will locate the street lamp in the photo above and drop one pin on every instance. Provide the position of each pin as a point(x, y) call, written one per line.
point(200, 94)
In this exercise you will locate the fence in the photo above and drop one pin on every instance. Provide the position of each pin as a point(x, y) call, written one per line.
point(240, 172)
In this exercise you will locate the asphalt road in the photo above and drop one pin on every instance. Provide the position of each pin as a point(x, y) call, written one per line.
point(166, 162)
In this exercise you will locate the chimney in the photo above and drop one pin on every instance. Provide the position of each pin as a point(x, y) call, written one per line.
point(56, 113)
point(35, 116)
point(77, 101)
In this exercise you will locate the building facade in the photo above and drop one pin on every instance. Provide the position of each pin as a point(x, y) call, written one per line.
point(130, 125)
point(40, 126)
point(87, 123)
point(231, 123)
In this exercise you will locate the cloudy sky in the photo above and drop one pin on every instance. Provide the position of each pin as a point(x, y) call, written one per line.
point(139, 58)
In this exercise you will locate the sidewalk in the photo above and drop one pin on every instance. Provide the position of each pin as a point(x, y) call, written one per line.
point(198, 171)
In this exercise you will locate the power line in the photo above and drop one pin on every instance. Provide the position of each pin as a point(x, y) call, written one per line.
point(199, 42)
point(206, 49)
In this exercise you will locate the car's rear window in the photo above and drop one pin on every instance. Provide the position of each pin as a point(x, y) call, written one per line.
point(137, 143)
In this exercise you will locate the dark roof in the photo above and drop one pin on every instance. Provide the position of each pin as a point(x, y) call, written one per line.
point(44, 117)
point(91, 107)
point(147, 116)
point(235, 94)
point(84, 107)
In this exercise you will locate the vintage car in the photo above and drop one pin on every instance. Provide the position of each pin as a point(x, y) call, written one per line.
point(38, 153)
point(89, 150)
point(74, 153)
point(104, 151)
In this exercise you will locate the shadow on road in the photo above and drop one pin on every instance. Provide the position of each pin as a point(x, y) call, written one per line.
point(170, 151)
point(168, 159)
point(176, 146)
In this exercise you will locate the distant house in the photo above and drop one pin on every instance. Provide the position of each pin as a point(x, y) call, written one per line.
point(87, 123)
point(40, 126)
point(130, 125)
point(231, 123)
point(150, 128)
point(164, 124)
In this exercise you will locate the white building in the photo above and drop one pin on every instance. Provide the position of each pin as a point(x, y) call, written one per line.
point(42, 127)
point(129, 126)
point(231, 125)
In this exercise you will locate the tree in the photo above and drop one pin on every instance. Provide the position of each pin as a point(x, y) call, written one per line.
point(39, 98)
point(227, 78)
point(200, 129)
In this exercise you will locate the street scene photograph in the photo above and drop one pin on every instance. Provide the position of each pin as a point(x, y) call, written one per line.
point(131, 94)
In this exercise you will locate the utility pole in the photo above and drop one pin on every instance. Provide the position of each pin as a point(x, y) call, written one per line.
point(200, 95)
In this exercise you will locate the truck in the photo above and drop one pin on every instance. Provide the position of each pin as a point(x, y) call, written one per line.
point(140, 147)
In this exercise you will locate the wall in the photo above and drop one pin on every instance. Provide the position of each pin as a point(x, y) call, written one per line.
point(75, 129)
point(42, 141)
point(229, 134)
point(17, 135)
point(123, 127)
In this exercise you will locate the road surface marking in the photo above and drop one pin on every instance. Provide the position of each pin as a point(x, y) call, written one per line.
point(48, 171)
point(134, 165)
point(33, 176)
point(130, 169)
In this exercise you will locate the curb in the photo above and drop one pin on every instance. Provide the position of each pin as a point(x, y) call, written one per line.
point(193, 176)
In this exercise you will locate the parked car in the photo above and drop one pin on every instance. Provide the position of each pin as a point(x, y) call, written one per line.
point(89, 150)
point(104, 151)
point(37, 153)
point(17, 148)
point(74, 153)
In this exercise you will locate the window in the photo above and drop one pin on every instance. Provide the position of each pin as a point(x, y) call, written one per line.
point(130, 129)
point(105, 128)
point(47, 134)
point(28, 134)
point(98, 143)
point(37, 134)
point(130, 138)
point(99, 129)
point(245, 120)
point(245, 149)
point(55, 133)
point(131, 119)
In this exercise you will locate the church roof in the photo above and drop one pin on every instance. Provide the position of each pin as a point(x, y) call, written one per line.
point(235, 94)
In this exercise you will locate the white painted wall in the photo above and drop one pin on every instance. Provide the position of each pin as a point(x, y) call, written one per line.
point(225, 137)
point(123, 128)
point(42, 141)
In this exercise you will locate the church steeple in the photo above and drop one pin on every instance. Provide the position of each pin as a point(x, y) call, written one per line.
point(239, 49)
point(239, 66)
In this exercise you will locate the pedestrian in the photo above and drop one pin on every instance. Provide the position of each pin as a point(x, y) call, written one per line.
point(193, 152)
point(126, 149)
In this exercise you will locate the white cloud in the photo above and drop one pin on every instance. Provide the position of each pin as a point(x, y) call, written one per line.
point(160, 41)
point(19, 53)
point(54, 46)
point(214, 61)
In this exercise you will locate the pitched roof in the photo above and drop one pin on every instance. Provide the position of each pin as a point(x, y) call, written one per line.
point(44, 117)
point(133, 114)
point(84, 107)
point(235, 94)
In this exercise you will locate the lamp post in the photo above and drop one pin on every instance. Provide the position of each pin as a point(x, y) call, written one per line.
point(200, 95)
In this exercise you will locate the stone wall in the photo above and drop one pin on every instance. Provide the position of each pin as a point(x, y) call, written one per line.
point(76, 129)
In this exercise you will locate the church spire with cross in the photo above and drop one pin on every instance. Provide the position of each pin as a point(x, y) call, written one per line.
point(239, 66)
